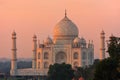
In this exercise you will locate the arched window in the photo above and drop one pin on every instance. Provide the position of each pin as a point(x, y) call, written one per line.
point(46, 55)
point(91, 57)
point(75, 56)
point(39, 55)
point(38, 65)
point(84, 55)
point(76, 64)
point(46, 65)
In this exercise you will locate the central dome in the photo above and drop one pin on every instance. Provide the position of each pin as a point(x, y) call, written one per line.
point(65, 29)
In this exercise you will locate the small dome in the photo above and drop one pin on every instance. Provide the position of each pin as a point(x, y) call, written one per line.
point(82, 40)
point(76, 40)
point(48, 40)
point(34, 36)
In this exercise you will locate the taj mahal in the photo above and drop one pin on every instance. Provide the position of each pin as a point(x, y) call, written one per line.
point(66, 46)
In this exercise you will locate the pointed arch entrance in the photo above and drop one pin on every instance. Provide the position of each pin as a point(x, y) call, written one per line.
point(61, 57)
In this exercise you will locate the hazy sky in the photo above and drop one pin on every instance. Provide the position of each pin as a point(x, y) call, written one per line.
point(28, 17)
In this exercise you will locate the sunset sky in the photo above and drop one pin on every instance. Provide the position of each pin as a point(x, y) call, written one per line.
point(29, 17)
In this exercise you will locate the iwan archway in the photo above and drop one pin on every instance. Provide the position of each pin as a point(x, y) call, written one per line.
point(60, 57)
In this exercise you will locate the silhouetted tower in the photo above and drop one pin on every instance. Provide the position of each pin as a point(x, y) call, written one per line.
point(102, 45)
point(14, 55)
point(34, 52)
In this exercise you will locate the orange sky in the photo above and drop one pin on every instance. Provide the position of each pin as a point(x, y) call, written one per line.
point(28, 17)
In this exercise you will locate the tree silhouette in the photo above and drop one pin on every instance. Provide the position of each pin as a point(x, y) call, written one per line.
point(60, 72)
point(109, 68)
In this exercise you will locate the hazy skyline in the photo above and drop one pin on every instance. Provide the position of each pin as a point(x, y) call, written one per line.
point(29, 17)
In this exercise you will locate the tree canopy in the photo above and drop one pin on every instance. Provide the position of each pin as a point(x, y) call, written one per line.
point(60, 72)
point(114, 47)
point(109, 68)
point(86, 72)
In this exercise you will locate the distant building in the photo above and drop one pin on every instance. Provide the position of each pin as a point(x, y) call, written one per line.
point(65, 47)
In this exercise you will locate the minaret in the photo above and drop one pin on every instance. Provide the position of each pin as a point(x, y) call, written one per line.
point(14, 55)
point(34, 52)
point(102, 47)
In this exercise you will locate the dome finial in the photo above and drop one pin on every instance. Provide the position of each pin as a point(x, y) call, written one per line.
point(14, 33)
point(65, 13)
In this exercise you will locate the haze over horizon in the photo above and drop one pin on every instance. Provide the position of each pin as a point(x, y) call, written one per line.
point(29, 17)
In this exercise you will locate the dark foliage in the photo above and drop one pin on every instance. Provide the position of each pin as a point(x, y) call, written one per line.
point(60, 72)
point(109, 68)
point(114, 47)
point(5, 66)
point(24, 64)
point(86, 72)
